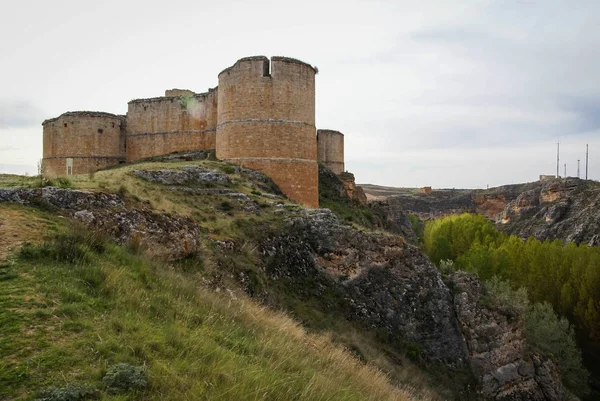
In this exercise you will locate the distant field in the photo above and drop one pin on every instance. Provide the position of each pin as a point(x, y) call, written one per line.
point(380, 192)
point(375, 192)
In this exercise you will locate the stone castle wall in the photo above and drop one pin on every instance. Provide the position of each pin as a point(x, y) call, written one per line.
point(261, 116)
point(330, 145)
point(266, 121)
point(82, 142)
point(164, 125)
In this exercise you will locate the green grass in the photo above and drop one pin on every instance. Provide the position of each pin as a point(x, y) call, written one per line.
point(140, 308)
point(70, 308)
point(13, 180)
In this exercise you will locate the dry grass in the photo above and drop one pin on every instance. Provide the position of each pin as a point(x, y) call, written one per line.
point(78, 319)
point(18, 225)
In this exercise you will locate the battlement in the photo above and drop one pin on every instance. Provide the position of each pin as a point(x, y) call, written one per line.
point(292, 61)
point(178, 92)
point(80, 114)
point(263, 66)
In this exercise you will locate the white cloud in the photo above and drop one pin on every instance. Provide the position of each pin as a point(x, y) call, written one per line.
point(424, 91)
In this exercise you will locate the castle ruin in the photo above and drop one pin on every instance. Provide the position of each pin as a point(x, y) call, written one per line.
point(260, 116)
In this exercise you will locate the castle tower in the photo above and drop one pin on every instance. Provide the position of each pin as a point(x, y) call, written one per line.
point(181, 120)
point(82, 142)
point(266, 122)
point(330, 145)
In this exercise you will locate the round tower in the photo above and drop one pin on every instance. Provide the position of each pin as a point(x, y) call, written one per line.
point(330, 145)
point(266, 122)
point(82, 142)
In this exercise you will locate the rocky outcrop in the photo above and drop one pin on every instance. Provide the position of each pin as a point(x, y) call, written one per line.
point(163, 235)
point(498, 351)
point(567, 209)
point(377, 280)
point(353, 191)
point(433, 205)
point(385, 284)
point(396, 219)
point(187, 175)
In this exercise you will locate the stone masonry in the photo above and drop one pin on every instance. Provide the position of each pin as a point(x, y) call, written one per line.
point(261, 116)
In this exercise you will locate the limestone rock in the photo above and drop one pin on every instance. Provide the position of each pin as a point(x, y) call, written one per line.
point(165, 236)
point(381, 281)
point(498, 351)
point(189, 174)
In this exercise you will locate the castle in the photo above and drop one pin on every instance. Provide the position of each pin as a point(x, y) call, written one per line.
point(261, 116)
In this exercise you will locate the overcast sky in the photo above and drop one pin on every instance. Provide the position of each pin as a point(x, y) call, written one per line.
point(443, 93)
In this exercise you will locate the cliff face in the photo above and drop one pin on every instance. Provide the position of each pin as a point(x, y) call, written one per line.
point(498, 351)
point(567, 209)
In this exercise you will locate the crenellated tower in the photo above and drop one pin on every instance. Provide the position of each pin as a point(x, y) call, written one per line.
point(266, 122)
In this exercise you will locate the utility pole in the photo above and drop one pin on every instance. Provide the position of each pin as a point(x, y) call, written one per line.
point(578, 168)
point(557, 158)
point(565, 170)
point(586, 160)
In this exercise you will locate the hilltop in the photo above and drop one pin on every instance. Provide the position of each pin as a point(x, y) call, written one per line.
point(219, 287)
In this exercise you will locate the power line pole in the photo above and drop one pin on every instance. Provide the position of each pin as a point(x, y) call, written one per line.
point(557, 158)
point(565, 170)
point(586, 160)
point(578, 168)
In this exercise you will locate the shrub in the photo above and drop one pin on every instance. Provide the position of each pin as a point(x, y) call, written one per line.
point(553, 335)
point(72, 392)
point(60, 182)
point(72, 247)
point(124, 377)
point(226, 206)
point(545, 331)
point(447, 266)
point(504, 297)
point(228, 169)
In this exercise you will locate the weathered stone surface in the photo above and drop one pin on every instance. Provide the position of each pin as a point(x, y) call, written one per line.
point(353, 191)
point(274, 132)
point(180, 122)
point(396, 219)
point(387, 285)
point(163, 235)
point(330, 146)
point(91, 141)
point(567, 209)
point(384, 283)
point(188, 175)
point(498, 351)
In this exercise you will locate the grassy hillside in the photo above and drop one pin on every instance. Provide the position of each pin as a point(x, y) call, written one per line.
point(74, 304)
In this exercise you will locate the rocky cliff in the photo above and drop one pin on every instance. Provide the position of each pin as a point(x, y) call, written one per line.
point(567, 209)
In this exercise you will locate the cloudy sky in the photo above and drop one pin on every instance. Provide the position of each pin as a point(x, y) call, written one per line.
point(442, 93)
